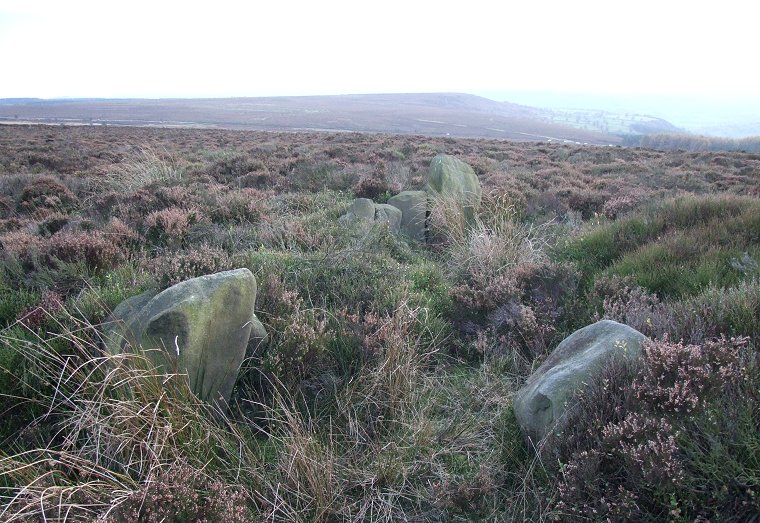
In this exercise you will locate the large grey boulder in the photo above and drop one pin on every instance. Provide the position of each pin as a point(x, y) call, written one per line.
point(451, 177)
point(200, 326)
point(413, 206)
point(541, 405)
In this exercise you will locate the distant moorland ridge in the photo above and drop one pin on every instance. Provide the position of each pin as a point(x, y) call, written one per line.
point(437, 114)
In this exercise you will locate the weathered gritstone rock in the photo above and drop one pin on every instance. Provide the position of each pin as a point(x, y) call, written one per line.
point(202, 326)
point(413, 207)
point(541, 405)
point(368, 213)
point(451, 177)
point(389, 214)
point(258, 340)
point(360, 209)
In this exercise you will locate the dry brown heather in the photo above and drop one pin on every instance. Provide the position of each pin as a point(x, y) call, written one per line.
point(385, 391)
point(546, 176)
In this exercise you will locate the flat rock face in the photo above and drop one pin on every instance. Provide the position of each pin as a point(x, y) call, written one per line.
point(449, 176)
point(541, 404)
point(202, 326)
point(413, 207)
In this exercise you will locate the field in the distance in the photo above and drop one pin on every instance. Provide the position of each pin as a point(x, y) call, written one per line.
point(385, 390)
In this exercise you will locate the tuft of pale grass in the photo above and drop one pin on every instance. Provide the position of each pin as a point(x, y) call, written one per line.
point(403, 356)
point(146, 166)
point(302, 482)
point(495, 242)
point(446, 220)
point(358, 461)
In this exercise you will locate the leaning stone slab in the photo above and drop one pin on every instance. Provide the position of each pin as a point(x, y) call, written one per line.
point(413, 207)
point(541, 405)
point(200, 326)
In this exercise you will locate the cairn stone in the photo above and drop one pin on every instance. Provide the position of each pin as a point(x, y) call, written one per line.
point(361, 209)
point(542, 404)
point(413, 207)
point(367, 214)
point(389, 214)
point(258, 340)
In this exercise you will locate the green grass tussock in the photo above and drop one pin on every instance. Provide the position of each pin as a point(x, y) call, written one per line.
point(674, 248)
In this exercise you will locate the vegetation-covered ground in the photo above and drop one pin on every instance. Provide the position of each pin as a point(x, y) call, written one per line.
point(385, 391)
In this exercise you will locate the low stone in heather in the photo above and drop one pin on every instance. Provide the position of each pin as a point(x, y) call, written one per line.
point(389, 214)
point(542, 404)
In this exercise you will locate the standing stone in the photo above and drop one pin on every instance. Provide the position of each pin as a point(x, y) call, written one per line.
point(451, 177)
point(541, 405)
point(413, 207)
point(200, 326)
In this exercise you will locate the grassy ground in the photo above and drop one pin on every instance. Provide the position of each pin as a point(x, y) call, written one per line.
point(385, 391)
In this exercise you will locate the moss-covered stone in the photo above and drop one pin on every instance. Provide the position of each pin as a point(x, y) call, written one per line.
point(541, 405)
point(413, 207)
point(361, 209)
point(365, 213)
point(200, 326)
point(451, 177)
point(389, 214)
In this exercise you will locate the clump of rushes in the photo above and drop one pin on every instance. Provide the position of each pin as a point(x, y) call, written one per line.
point(144, 167)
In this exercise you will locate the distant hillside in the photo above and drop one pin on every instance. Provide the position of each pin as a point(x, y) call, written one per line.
point(452, 114)
point(715, 115)
point(622, 123)
point(693, 142)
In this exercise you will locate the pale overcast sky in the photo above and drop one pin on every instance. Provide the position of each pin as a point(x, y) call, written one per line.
point(221, 48)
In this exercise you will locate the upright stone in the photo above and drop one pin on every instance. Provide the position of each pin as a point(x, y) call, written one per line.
point(451, 177)
point(413, 207)
point(541, 405)
point(200, 327)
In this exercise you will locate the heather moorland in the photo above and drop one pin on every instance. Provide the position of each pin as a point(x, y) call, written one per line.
point(384, 388)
